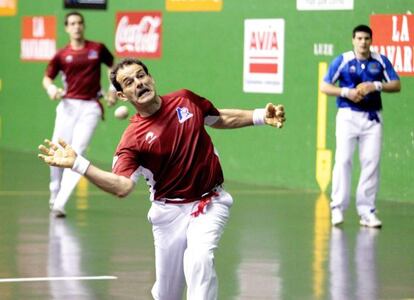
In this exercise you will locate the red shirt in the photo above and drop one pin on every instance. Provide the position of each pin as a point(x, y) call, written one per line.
point(171, 149)
point(81, 69)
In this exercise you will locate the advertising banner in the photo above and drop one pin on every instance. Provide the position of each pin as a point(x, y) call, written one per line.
point(38, 42)
point(393, 36)
point(194, 5)
point(264, 43)
point(8, 7)
point(324, 4)
point(138, 34)
point(94, 4)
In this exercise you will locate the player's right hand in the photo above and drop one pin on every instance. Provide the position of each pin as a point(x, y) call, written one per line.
point(355, 95)
point(54, 92)
point(275, 115)
point(62, 156)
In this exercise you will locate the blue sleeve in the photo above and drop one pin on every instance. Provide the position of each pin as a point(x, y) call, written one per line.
point(389, 69)
point(332, 76)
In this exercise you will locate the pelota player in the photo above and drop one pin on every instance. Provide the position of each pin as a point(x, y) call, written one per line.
point(166, 142)
point(79, 111)
point(362, 76)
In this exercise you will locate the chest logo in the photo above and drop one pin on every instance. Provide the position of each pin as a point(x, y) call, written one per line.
point(150, 137)
point(92, 54)
point(183, 114)
point(69, 58)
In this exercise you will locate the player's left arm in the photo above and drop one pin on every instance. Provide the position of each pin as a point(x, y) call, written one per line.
point(273, 115)
point(392, 86)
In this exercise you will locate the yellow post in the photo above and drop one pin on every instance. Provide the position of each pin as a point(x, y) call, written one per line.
point(323, 155)
point(320, 251)
point(82, 194)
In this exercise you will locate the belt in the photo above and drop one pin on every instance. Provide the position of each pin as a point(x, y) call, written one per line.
point(205, 200)
point(373, 116)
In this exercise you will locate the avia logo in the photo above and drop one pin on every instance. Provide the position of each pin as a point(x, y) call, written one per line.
point(183, 114)
point(150, 137)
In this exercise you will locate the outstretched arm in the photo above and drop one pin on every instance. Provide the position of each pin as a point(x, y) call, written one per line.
point(273, 115)
point(64, 156)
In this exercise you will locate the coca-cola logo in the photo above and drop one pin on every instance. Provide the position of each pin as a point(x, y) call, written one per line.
point(138, 35)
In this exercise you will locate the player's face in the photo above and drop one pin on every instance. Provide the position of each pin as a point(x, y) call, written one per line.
point(137, 86)
point(362, 42)
point(75, 27)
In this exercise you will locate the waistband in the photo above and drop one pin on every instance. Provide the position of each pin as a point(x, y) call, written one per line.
point(212, 193)
point(372, 114)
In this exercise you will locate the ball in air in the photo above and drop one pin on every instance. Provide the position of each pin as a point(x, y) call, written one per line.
point(121, 112)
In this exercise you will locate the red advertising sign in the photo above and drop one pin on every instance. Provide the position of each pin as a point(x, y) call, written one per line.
point(38, 42)
point(138, 34)
point(393, 36)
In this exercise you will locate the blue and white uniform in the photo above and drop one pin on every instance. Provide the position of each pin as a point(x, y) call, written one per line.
point(358, 123)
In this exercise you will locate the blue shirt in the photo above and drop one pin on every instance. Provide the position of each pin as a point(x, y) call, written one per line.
point(350, 72)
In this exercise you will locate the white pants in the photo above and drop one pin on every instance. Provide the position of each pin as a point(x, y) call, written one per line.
point(75, 122)
point(354, 127)
point(184, 247)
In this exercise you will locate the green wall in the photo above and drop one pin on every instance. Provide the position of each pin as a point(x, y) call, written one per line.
point(203, 51)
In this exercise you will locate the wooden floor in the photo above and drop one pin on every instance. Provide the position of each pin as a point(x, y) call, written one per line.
point(278, 244)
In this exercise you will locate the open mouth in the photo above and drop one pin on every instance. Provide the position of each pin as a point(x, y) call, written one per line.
point(143, 92)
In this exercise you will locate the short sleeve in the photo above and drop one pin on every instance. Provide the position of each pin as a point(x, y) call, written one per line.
point(390, 73)
point(332, 74)
point(125, 163)
point(53, 67)
point(106, 56)
point(205, 105)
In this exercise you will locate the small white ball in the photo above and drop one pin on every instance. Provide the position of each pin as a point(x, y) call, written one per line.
point(121, 112)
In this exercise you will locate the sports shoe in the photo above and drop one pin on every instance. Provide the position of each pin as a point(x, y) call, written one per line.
point(370, 220)
point(58, 213)
point(337, 216)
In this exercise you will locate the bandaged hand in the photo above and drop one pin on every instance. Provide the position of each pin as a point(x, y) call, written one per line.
point(54, 92)
point(352, 94)
point(61, 155)
point(364, 88)
point(275, 115)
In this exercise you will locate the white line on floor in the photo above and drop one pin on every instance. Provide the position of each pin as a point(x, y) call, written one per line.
point(57, 278)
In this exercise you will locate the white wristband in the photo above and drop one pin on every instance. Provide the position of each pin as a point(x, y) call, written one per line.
point(378, 85)
point(259, 116)
point(52, 90)
point(80, 165)
point(345, 92)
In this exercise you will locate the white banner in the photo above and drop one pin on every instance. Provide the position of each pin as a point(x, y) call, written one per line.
point(264, 43)
point(325, 4)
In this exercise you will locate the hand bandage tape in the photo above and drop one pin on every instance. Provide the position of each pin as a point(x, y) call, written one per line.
point(344, 92)
point(378, 86)
point(80, 165)
point(52, 90)
point(259, 116)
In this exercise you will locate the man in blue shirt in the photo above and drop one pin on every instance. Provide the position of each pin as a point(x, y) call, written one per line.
point(362, 76)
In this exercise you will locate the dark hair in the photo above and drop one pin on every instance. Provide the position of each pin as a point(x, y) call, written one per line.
point(362, 28)
point(73, 13)
point(120, 65)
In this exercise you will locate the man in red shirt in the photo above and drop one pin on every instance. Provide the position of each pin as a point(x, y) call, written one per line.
point(79, 110)
point(166, 142)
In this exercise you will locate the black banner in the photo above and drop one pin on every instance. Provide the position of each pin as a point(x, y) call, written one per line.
point(93, 4)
